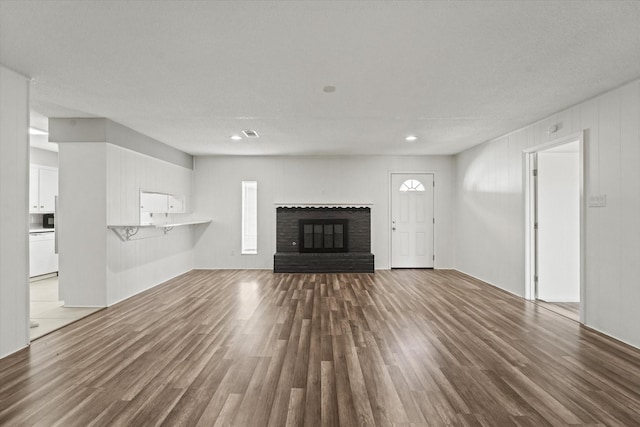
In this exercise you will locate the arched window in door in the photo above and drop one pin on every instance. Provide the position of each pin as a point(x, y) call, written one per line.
point(412, 185)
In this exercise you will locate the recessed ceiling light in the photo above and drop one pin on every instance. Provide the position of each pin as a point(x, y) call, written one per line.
point(251, 134)
point(236, 137)
point(329, 89)
point(34, 131)
point(411, 138)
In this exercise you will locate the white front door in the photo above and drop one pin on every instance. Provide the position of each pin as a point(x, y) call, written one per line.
point(412, 220)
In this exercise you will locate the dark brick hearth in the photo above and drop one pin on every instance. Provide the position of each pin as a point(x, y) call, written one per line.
point(289, 259)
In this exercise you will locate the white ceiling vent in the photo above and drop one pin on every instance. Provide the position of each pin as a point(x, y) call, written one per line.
point(251, 134)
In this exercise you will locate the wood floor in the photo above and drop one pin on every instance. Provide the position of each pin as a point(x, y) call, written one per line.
point(566, 309)
point(402, 347)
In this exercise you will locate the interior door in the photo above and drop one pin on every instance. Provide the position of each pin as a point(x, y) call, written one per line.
point(558, 232)
point(412, 220)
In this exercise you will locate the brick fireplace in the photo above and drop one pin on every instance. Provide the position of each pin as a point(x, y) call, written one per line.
point(323, 239)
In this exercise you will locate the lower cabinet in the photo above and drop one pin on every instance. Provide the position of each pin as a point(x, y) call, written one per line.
point(42, 256)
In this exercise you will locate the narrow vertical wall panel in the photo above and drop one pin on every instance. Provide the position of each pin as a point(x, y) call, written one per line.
point(135, 181)
point(516, 145)
point(501, 200)
point(114, 264)
point(609, 166)
point(515, 210)
point(14, 190)
point(564, 122)
point(575, 120)
point(114, 196)
point(114, 200)
point(589, 120)
point(502, 168)
point(142, 172)
point(160, 178)
point(529, 136)
point(542, 127)
point(537, 135)
point(164, 179)
point(630, 205)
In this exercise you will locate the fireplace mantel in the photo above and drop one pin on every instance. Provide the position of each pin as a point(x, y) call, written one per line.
point(323, 205)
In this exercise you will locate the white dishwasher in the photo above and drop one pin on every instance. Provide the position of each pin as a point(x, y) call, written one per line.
point(42, 254)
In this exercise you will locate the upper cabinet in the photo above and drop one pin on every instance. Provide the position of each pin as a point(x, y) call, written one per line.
point(43, 189)
point(153, 202)
point(176, 204)
point(161, 203)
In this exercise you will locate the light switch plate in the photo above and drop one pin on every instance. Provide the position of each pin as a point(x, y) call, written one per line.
point(598, 201)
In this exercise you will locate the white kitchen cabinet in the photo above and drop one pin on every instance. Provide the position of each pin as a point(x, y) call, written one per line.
point(161, 203)
point(176, 204)
point(34, 193)
point(42, 256)
point(154, 202)
point(43, 189)
point(48, 189)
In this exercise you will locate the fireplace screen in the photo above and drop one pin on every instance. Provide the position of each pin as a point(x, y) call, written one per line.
point(323, 235)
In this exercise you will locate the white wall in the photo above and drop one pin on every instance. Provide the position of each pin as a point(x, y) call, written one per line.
point(355, 179)
point(559, 227)
point(42, 157)
point(81, 224)
point(14, 212)
point(100, 129)
point(137, 265)
point(490, 207)
point(99, 186)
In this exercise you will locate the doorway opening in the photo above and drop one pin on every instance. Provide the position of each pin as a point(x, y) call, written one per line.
point(47, 311)
point(555, 221)
point(412, 230)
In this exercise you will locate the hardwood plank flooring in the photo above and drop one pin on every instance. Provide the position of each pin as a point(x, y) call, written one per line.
point(566, 309)
point(253, 348)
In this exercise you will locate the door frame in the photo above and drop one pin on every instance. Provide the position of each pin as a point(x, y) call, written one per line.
point(390, 211)
point(528, 163)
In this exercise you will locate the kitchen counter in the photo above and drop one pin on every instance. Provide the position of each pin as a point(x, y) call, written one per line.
point(42, 230)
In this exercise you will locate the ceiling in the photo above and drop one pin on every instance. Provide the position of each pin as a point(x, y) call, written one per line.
point(193, 73)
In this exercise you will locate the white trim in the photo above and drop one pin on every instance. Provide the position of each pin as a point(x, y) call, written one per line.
point(100, 307)
point(389, 210)
point(132, 295)
point(493, 285)
point(323, 205)
point(529, 242)
point(529, 226)
point(244, 250)
point(577, 136)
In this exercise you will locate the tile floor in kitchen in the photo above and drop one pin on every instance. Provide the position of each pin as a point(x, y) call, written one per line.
point(48, 311)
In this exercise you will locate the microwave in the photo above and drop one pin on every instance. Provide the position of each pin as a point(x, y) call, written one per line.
point(48, 221)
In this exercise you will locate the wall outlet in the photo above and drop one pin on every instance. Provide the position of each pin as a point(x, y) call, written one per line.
point(598, 201)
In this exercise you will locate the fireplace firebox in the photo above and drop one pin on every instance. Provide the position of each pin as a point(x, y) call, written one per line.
point(323, 235)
